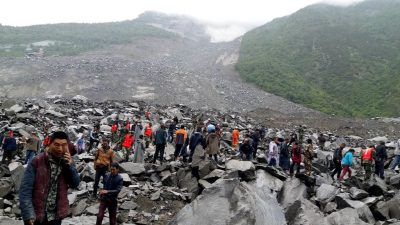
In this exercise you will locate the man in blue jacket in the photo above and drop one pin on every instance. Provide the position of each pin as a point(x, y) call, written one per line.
point(10, 148)
point(109, 194)
point(43, 196)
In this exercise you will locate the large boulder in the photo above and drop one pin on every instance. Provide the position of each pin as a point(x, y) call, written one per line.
point(246, 169)
point(268, 182)
point(17, 175)
point(305, 213)
point(395, 181)
point(326, 193)
point(388, 210)
point(343, 201)
point(357, 194)
point(293, 189)
point(6, 185)
point(229, 201)
point(134, 169)
point(376, 187)
point(345, 216)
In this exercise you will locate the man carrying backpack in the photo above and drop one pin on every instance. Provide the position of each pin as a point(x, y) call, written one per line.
point(337, 158)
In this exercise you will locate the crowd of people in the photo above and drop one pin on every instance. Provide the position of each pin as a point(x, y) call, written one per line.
point(50, 169)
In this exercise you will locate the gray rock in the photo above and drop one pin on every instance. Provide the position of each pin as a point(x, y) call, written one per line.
point(231, 202)
point(273, 171)
point(345, 216)
point(305, 213)
point(326, 193)
point(204, 184)
point(170, 180)
point(17, 175)
point(93, 209)
point(388, 210)
point(79, 208)
point(128, 205)
point(8, 221)
point(246, 169)
point(6, 186)
point(55, 113)
point(80, 220)
point(133, 168)
point(204, 168)
point(155, 196)
point(125, 177)
point(357, 194)
point(395, 181)
point(293, 189)
point(214, 175)
point(376, 187)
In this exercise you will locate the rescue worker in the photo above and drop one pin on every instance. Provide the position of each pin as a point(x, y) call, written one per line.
point(235, 138)
point(148, 134)
point(181, 135)
point(127, 145)
point(114, 132)
point(367, 158)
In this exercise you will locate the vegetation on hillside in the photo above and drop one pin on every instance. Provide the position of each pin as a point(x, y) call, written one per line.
point(72, 38)
point(337, 60)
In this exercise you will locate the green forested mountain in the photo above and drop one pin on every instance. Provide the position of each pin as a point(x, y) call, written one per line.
point(72, 38)
point(337, 60)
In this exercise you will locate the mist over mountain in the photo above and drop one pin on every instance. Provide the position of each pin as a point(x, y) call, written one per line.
point(342, 60)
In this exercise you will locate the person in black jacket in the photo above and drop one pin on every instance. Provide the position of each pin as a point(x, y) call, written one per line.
point(337, 159)
point(10, 148)
point(109, 194)
point(380, 158)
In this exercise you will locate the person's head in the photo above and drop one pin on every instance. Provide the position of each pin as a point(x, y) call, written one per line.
point(382, 143)
point(246, 141)
point(162, 126)
point(343, 145)
point(141, 136)
point(58, 144)
point(351, 151)
point(198, 129)
point(276, 139)
point(371, 146)
point(105, 142)
point(150, 124)
point(182, 126)
point(309, 141)
point(286, 140)
point(295, 143)
point(114, 168)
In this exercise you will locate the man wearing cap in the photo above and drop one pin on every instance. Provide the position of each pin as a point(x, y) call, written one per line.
point(32, 147)
point(43, 196)
point(109, 194)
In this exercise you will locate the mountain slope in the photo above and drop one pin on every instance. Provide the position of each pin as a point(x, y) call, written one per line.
point(334, 59)
point(73, 38)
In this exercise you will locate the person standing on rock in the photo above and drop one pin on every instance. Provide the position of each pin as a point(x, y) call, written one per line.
point(102, 161)
point(9, 148)
point(380, 158)
point(80, 144)
point(347, 161)
point(171, 131)
point(256, 140)
point(138, 130)
point(127, 145)
point(396, 160)
point(93, 138)
point(32, 147)
point(114, 132)
point(301, 134)
point(321, 141)
point(273, 152)
point(337, 158)
point(296, 158)
point(367, 158)
point(235, 138)
point(212, 143)
point(308, 157)
point(109, 195)
point(160, 141)
point(246, 150)
point(148, 134)
point(138, 156)
point(196, 139)
point(180, 140)
point(284, 156)
point(43, 196)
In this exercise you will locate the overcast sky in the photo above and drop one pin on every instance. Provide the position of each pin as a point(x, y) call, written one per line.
point(226, 18)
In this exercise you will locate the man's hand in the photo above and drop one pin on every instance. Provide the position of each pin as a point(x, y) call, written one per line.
point(29, 222)
point(103, 192)
point(68, 158)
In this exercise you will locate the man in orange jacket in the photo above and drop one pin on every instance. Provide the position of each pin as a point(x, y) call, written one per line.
point(235, 138)
point(367, 158)
point(180, 140)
